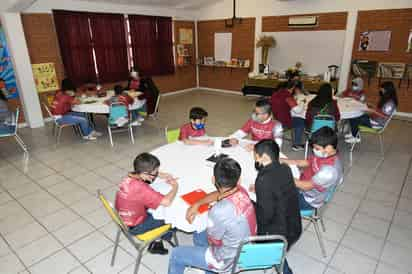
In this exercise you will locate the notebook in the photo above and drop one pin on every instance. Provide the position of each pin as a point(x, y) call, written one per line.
point(193, 197)
point(215, 158)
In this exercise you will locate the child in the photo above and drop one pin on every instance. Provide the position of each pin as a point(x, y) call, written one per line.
point(61, 109)
point(297, 105)
point(196, 128)
point(356, 91)
point(135, 196)
point(378, 116)
point(260, 126)
point(323, 103)
point(322, 171)
point(123, 98)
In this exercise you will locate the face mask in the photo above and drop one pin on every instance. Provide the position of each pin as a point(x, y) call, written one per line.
point(381, 92)
point(258, 166)
point(199, 126)
point(320, 154)
point(356, 88)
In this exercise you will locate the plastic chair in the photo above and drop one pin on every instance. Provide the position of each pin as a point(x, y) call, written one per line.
point(261, 252)
point(117, 111)
point(140, 242)
point(319, 121)
point(10, 130)
point(315, 216)
point(172, 135)
point(373, 131)
point(60, 126)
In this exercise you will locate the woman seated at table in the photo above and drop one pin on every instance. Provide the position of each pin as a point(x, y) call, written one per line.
point(376, 117)
point(356, 90)
point(134, 84)
point(61, 110)
point(322, 104)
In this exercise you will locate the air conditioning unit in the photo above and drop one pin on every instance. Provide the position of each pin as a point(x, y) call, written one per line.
point(303, 21)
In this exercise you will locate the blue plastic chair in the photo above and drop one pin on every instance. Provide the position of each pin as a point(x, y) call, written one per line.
point(314, 216)
point(320, 121)
point(261, 252)
point(117, 111)
point(10, 130)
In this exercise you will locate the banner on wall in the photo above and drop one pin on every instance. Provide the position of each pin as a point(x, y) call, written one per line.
point(7, 77)
point(45, 77)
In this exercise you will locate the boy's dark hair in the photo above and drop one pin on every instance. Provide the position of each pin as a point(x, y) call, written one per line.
point(390, 94)
point(118, 89)
point(292, 84)
point(324, 136)
point(227, 173)
point(265, 104)
point(197, 113)
point(145, 162)
point(268, 147)
point(67, 84)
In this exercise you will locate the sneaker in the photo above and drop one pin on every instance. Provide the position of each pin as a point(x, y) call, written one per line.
point(90, 137)
point(157, 248)
point(140, 119)
point(135, 123)
point(298, 147)
point(348, 135)
point(96, 133)
point(353, 140)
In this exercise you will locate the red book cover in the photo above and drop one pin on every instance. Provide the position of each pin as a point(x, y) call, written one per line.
point(193, 197)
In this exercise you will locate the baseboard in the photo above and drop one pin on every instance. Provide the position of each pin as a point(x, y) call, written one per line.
point(221, 91)
point(404, 114)
point(177, 92)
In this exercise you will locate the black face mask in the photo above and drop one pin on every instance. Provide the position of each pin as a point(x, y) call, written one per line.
point(259, 166)
point(381, 93)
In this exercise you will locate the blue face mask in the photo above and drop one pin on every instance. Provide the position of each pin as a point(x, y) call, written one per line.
point(199, 126)
point(320, 154)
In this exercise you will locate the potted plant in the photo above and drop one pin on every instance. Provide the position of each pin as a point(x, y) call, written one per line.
point(265, 42)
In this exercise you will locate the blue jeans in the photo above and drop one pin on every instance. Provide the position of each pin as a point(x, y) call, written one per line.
point(363, 120)
point(77, 118)
point(135, 113)
point(298, 125)
point(303, 205)
point(186, 256)
point(149, 224)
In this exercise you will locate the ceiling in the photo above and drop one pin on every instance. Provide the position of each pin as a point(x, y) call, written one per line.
point(183, 4)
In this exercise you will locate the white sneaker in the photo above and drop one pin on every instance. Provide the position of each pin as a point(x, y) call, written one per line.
point(349, 135)
point(353, 140)
point(140, 118)
point(96, 133)
point(135, 123)
point(90, 137)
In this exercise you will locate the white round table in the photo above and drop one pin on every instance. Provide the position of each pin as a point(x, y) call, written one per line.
point(188, 163)
point(99, 107)
point(348, 107)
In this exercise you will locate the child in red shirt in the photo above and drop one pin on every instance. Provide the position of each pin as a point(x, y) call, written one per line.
point(121, 97)
point(135, 196)
point(195, 128)
point(356, 91)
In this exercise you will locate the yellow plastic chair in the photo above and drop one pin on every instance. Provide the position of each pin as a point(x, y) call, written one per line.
point(172, 135)
point(141, 241)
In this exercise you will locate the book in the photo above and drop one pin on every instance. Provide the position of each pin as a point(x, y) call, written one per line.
point(192, 197)
point(215, 158)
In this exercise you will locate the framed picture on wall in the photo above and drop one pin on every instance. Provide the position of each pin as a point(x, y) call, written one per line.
point(409, 48)
point(379, 40)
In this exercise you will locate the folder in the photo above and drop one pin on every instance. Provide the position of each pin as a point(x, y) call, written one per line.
point(192, 197)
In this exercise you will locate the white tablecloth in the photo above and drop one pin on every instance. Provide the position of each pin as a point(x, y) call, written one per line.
point(348, 107)
point(100, 107)
point(188, 163)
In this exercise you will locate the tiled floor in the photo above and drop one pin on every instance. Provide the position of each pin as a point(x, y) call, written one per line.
point(51, 221)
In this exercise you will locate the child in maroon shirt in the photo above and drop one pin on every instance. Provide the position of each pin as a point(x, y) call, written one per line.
point(195, 128)
point(135, 196)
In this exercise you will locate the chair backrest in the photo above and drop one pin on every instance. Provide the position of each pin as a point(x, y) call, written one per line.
point(261, 252)
point(172, 135)
point(388, 121)
point(323, 120)
point(117, 110)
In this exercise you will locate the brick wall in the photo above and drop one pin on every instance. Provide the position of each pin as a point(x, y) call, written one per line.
point(399, 21)
point(326, 21)
point(243, 46)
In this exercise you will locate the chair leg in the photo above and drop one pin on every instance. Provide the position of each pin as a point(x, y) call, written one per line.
point(322, 224)
point(131, 134)
point(322, 246)
point(21, 143)
point(138, 259)
point(110, 135)
point(59, 133)
point(381, 145)
point(175, 238)
point(116, 245)
point(306, 149)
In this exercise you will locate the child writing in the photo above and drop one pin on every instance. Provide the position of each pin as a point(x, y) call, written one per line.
point(135, 196)
point(195, 128)
point(122, 97)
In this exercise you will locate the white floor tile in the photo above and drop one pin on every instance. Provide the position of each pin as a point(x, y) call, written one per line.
point(308, 244)
point(376, 209)
point(405, 204)
point(5, 197)
point(59, 219)
point(24, 190)
point(372, 225)
point(403, 219)
point(101, 263)
point(301, 264)
point(363, 242)
point(334, 231)
point(398, 256)
point(352, 262)
point(10, 264)
point(90, 246)
point(25, 235)
point(61, 262)
point(400, 236)
point(4, 248)
point(87, 206)
point(80, 270)
point(51, 180)
point(389, 269)
point(73, 231)
point(98, 218)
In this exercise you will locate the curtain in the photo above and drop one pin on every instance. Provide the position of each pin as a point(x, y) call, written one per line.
point(165, 45)
point(75, 44)
point(144, 43)
point(109, 42)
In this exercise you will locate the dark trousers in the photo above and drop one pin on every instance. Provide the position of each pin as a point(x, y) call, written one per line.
point(298, 125)
point(149, 224)
point(363, 120)
point(303, 205)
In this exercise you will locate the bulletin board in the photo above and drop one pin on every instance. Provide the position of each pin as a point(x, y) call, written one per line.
point(223, 46)
point(45, 77)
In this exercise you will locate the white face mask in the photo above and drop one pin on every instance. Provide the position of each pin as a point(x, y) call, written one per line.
point(356, 88)
point(320, 154)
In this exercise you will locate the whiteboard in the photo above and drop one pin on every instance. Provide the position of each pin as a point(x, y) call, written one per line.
point(223, 46)
point(315, 49)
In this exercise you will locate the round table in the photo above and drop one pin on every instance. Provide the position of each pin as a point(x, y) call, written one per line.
point(188, 163)
point(97, 104)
